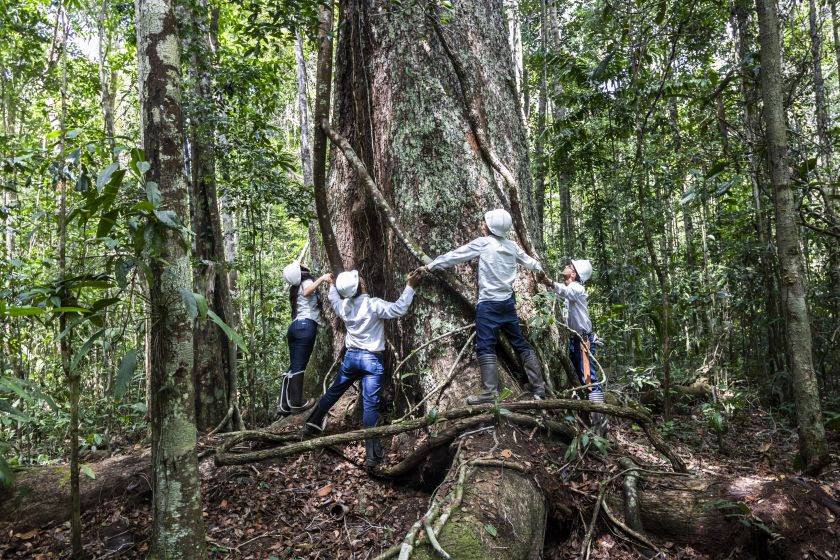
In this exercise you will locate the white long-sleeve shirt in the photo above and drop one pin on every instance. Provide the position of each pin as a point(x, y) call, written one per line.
point(364, 317)
point(577, 306)
point(497, 260)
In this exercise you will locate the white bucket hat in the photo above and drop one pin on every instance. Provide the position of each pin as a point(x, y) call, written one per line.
point(292, 273)
point(583, 268)
point(347, 283)
point(498, 221)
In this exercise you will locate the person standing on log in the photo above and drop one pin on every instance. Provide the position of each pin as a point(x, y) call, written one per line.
point(496, 309)
point(306, 317)
point(582, 341)
point(364, 318)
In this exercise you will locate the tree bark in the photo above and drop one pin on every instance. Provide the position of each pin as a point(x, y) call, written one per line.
point(819, 84)
point(178, 527)
point(835, 33)
point(812, 443)
point(423, 156)
point(539, 138)
point(214, 368)
point(106, 96)
point(323, 86)
point(303, 108)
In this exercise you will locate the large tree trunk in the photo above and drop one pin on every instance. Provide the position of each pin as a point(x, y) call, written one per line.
point(178, 527)
point(106, 95)
point(411, 131)
point(812, 443)
point(215, 354)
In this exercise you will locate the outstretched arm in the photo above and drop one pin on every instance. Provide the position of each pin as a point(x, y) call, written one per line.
point(393, 309)
point(311, 286)
point(460, 255)
point(572, 292)
point(527, 260)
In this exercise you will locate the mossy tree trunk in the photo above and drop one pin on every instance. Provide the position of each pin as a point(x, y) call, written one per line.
point(399, 103)
point(178, 527)
point(812, 443)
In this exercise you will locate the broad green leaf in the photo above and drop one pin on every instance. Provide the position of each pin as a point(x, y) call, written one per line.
point(490, 529)
point(105, 175)
point(231, 334)
point(168, 218)
point(189, 302)
point(201, 302)
point(85, 348)
point(87, 471)
point(106, 223)
point(128, 365)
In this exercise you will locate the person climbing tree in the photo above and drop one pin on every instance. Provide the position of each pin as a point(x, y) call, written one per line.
point(582, 340)
point(300, 336)
point(364, 318)
point(496, 309)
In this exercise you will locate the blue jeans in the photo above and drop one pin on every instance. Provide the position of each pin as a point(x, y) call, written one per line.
point(366, 367)
point(576, 354)
point(493, 316)
point(301, 340)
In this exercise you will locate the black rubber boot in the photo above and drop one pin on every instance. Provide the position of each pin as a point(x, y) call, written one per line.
point(295, 395)
point(316, 422)
point(373, 453)
point(531, 364)
point(489, 380)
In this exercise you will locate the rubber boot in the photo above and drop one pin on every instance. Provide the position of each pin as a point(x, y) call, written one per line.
point(295, 395)
point(283, 407)
point(316, 422)
point(373, 453)
point(534, 372)
point(489, 380)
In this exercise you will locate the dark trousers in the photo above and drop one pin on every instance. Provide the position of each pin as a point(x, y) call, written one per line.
point(358, 365)
point(582, 362)
point(301, 340)
point(492, 317)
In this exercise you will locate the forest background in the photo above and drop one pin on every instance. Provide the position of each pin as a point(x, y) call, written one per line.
point(646, 145)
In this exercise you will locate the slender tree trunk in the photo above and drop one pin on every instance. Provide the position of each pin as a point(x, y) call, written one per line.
point(819, 85)
point(812, 443)
point(775, 337)
point(515, 42)
point(106, 96)
point(835, 33)
point(823, 127)
point(540, 166)
point(178, 527)
point(303, 108)
point(215, 354)
point(323, 86)
point(73, 376)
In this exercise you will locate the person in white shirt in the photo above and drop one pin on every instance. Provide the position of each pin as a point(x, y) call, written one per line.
point(300, 336)
point(498, 258)
point(581, 344)
point(364, 319)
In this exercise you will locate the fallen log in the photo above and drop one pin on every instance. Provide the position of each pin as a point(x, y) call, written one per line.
point(41, 495)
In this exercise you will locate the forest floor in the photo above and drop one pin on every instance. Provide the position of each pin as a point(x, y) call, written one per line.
point(320, 505)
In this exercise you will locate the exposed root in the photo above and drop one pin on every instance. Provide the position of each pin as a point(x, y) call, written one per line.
point(224, 457)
